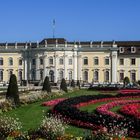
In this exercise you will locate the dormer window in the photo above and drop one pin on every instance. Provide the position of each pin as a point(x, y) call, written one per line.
point(121, 49)
point(133, 49)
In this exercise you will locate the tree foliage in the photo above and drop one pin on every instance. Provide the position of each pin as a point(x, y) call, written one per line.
point(78, 83)
point(126, 81)
point(72, 83)
point(46, 85)
point(63, 85)
point(12, 91)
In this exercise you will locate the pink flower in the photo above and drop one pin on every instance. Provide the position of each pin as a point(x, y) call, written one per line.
point(53, 102)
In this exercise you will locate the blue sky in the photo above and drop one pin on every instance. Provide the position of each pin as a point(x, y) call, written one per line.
point(31, 20)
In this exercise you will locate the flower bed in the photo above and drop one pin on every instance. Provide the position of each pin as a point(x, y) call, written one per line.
point(53, 102)
point(132, 110)
point(129, 91)
point(104, 109)
point(70, 109)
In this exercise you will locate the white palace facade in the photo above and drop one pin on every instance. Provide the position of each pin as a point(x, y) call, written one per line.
point(89, 61)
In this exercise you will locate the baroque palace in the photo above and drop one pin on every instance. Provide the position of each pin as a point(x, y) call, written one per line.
point(97, 62)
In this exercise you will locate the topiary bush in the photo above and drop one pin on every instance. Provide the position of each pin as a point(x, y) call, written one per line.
point(126, 81)
point(12, 91)
point(63, 85)
point(72, 83)
point(78, 84)
point(46, 85)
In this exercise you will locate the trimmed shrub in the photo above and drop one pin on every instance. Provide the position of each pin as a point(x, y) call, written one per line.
point(72, 83)
point(46, 85)
point(12, 91)
point(78, 84)
point(126, 81)
point(63, 85)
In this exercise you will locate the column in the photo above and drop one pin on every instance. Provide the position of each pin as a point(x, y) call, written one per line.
point(79, 67)
point(65, 66)
point(37, 68)
point(44, 66)
point(55, 70)
point(75, 65)
point(25, 66)
point(114, 66)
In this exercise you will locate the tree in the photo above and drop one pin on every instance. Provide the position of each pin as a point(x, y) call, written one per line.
point(46, 85)
point(72, 83)
point(126, 81)
point(63, 85)
point(12, 91)
point(78, 83)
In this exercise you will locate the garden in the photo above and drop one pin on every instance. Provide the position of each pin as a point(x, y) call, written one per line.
point(77, 114)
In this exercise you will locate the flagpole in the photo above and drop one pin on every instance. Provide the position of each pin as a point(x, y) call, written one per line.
point(54, 28)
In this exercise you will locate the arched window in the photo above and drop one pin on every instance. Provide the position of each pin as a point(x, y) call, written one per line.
point(70, 75)
point(20, 62)
point(61, 61)
point(1, 61)
point(20, 75)
point(106, 76)
point(41, 74)
point(41, 61)
point(51, 75)
point(133, 75)
point(1, 75)
point(85, 60)
point(85, 76)
point(10, 61)
point(61, 75)
point(51, 60)
point(33, 74)
point(96, 76)
point(121, 75)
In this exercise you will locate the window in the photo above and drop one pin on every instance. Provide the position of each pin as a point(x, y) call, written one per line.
point(106, 61)
point(121, 50)
point(85, 61)
point(33, 62)
point(60, 75)
point(51, 61)
point(20, 75)
point(133, 61)
point(1, 75)
point(96, 61)
point(51, 75)
point(20, 62)
point(96, 76)
point(106, 76)
point(41, 74)
point(33, 74)
point(121, 61)
point(70, 75)
point(61, 61)
point(85, 76)
point(1, 61)
point(133, 49)
point(70, 61)
point(10, 61)
point(133, 76)
point(41, 61)
point(121, 76)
